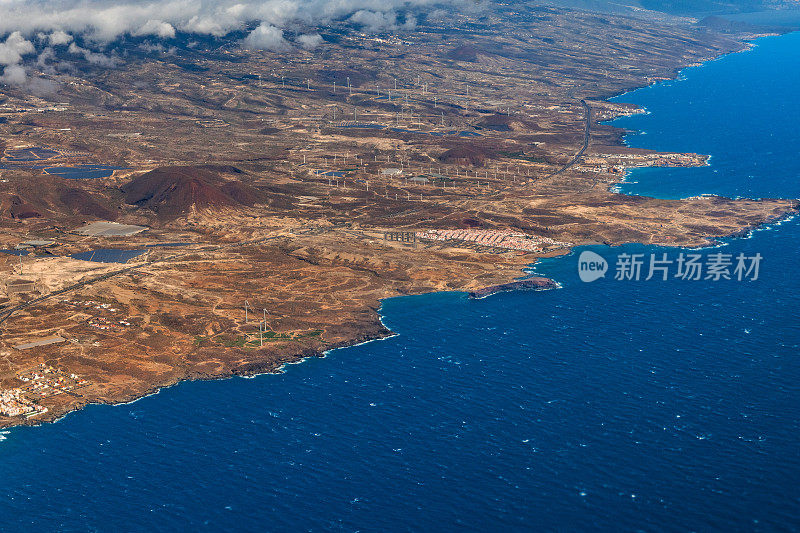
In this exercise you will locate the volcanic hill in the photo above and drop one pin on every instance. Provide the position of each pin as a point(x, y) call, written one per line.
point(173, 191)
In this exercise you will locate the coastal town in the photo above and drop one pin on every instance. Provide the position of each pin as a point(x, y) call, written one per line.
point(399, 265)
point(151, 211)
point(506, 239)
point(37, 384)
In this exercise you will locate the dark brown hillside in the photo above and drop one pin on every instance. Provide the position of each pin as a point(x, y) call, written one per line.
point(80, 201)
point(30, 195)
point(465, 154)
point(173, 191)
point(16, 207)
point(241, 193)
point(463, 53)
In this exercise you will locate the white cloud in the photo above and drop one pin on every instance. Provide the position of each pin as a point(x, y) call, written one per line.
point(14, 75)
point(15, 46)
point(94, 58)
point(410, 23)
point(159, 28)
point(59, 37)
point(56, 23)
point(41, 86)
point(266, 37)
point(374, 20)
point(106, 20)
point(309, 41)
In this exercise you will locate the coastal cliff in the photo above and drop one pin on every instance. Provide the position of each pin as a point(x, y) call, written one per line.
point(283, 258)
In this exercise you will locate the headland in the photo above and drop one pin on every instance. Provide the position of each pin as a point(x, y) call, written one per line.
point(228, 212)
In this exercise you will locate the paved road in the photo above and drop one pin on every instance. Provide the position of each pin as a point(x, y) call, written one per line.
point(8, 312)
point(587, 131)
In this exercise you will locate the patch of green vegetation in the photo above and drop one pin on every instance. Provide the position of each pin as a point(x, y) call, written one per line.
point(230, 341)
point(254, 340)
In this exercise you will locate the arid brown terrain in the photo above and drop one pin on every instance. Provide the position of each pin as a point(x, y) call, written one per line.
point(282, 195)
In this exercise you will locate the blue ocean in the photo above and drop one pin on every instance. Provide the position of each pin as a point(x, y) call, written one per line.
point(613, 405)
